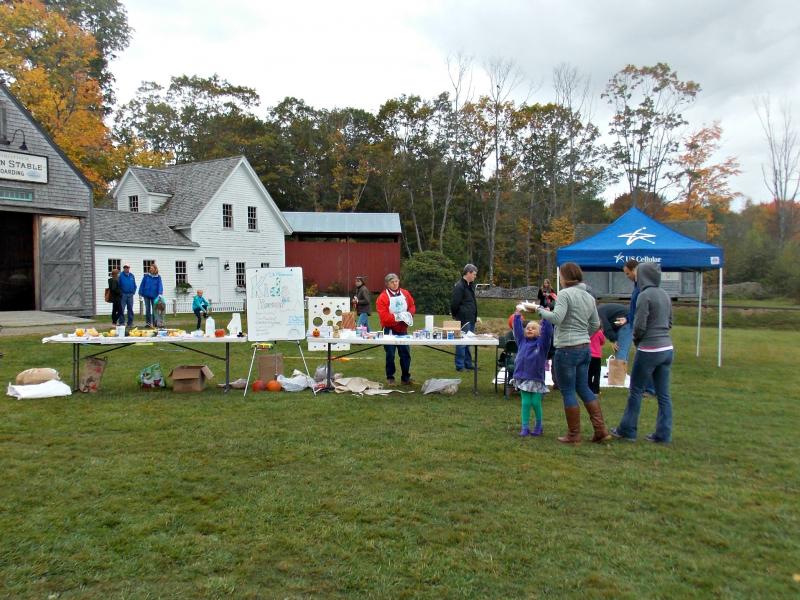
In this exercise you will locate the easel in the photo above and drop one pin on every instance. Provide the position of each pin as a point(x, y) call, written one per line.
point(268, 346)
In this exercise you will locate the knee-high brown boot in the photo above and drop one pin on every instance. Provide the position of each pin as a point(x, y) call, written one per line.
point(573, 414)
point(596, 416)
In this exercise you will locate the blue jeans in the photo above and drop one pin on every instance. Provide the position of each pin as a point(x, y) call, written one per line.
point(405, 360)
point(363, 320)
point(624, 341)
point(463, 356)
point(127, 302)
point(148, 310)
point(571, 366)
point(646, 366)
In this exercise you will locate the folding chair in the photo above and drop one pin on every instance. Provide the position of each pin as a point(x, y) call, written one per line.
point(505, 361)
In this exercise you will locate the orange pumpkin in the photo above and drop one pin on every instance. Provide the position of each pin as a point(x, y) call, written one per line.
point(274, 386)
point(259, 386)
point(219, 333)
point(315, 333)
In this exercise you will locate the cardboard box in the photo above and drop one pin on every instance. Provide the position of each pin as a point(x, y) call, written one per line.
point(190, 378)
point(454, 326)
point(270, 366)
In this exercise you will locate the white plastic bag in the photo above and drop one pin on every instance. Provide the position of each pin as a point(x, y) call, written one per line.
point(48, 389)
point(297, 382)
point(441, 386)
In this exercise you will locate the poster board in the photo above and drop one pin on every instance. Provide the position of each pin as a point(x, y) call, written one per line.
point(275, 309)
point(325, 310)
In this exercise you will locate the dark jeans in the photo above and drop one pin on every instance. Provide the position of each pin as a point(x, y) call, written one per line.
point(463, 357)
point(571, 367)
point(405, 360)
point(646, 366)
point(148, 310)
point(127, 302)
point(594, 374)
point(116, 311)
point(199, 313)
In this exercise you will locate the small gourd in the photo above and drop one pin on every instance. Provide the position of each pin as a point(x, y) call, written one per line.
point(259, 386)
point(274, 386)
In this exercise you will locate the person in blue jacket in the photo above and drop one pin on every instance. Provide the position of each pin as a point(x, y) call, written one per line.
point(150, 289)
point(533, 341)
point(127, 287)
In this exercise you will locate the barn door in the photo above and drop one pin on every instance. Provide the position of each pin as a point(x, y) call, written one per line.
point(60, 263)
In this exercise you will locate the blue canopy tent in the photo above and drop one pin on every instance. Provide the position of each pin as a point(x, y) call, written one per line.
point(636, 235)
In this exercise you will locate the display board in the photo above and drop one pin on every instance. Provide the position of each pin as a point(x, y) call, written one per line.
point(327, 311)
point(275, 308)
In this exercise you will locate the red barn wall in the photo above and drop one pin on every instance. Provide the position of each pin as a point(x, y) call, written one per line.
point(331, 263)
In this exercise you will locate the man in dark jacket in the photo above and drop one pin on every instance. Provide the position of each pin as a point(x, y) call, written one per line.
point(464, 307)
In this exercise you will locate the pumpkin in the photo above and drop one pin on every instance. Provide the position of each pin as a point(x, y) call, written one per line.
point(274, 386)
point(259, 386)
point(219, 333)
point(315, 333)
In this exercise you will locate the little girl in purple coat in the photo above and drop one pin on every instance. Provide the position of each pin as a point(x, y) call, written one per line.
point(533, 341)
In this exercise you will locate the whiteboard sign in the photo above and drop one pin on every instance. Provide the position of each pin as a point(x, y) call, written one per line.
point(275, 304)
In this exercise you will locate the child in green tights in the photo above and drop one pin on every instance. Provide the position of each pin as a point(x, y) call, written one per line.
point(533, 342)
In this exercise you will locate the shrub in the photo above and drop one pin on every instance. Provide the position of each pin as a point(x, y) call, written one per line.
point(430, 276)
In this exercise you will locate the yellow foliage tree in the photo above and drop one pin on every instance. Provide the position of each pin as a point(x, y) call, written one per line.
point(560, 232)
point(48, 62)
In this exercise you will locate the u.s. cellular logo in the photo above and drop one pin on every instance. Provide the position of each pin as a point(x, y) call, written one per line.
point(623, 258)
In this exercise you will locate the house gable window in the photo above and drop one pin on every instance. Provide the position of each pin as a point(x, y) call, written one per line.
point(114, 263)
point(133, 203)
point(227, 216)
point(252, 220)
point(240, 275)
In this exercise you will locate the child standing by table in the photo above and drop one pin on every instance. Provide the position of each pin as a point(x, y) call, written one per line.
point(533, 341)
point(596, 350)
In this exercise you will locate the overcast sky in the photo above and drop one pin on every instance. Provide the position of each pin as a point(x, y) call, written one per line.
point(362, 52)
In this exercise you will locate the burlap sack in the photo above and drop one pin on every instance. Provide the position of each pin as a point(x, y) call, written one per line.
point(348, 320)
point(617, 370)
point(37, 375)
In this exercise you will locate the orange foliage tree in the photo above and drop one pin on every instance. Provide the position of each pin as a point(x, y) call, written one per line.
point(705, 194)
point(48, 61)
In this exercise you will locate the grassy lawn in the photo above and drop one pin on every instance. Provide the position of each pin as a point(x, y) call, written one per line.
point(126, 494)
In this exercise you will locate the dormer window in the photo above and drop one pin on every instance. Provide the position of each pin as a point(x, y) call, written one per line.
point(227, 216)
point(133, 203)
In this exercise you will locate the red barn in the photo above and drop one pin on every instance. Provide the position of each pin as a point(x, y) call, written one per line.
point(332, 248)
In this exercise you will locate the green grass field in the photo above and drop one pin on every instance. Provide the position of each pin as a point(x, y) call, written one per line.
point(127, 494)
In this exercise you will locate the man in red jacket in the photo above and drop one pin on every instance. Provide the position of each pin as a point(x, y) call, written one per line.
point(395, 309)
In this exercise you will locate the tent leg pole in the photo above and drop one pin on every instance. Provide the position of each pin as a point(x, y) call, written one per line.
point(719, 332)
point(699, 313)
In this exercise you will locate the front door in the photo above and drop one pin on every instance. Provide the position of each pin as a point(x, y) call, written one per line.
point(212, 280)
point(60, 263)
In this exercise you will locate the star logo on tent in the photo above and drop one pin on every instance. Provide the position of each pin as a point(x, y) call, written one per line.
point(638, 235)
point(619, 258)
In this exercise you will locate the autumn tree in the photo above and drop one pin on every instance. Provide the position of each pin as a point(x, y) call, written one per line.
point(704, 190)
point(782, 172)
point(647, 104)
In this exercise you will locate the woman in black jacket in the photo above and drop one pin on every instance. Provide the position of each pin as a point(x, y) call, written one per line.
point(116, 297)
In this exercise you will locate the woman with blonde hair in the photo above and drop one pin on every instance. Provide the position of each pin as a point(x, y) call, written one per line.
point(575, 316)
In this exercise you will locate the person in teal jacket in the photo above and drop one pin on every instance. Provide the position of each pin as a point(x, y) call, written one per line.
point(199, 307)
point(150, 289)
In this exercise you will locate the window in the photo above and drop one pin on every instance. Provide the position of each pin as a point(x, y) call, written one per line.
point(252, 221)
point(15, 194)
point(180, 272)
point(227, 216)
point(114, 263)
point(146, 264)
point(133, 203)
point(240, 278)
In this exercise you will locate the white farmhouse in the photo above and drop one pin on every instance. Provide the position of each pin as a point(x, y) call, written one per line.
point(202, 223)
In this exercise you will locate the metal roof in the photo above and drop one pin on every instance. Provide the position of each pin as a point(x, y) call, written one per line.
point(319, 222)
point(125, 227)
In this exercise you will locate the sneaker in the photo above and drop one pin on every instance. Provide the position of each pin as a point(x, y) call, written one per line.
point(407, 382)
point(469, 368)
point(459, 369)
point(525, 431)
point(651, 437)
point(390, 381)
point(617, 435)
point(537, 430)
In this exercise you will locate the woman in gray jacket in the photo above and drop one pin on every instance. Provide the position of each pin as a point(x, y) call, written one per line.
point(575, 317)
point(651, 325)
